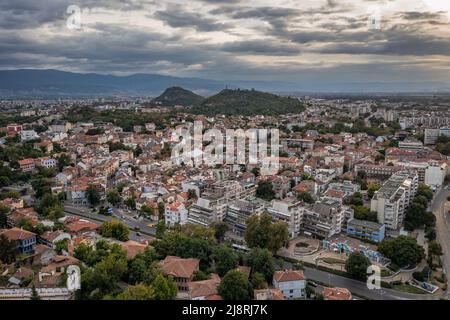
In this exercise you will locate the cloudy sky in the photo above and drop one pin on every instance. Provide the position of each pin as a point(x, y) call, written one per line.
point(284, 40)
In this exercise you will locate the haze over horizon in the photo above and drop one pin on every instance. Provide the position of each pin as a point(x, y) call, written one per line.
point(309, 43)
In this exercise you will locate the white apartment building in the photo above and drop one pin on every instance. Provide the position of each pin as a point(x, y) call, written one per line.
point(207, 211)
point(325, 218)
point(238, 211)
point(47, 162)
point(435, 174)
point(175, 213)
point(432, 134)
point(27, 135)
point(394, 197)
point(290, 211)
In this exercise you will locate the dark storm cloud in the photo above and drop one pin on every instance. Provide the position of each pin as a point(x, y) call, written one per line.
point(177, 18)
point(260, 47)
point(33, 35)
point(20, 14)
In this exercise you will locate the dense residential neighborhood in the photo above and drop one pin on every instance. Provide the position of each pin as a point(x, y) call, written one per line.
point(94, 183)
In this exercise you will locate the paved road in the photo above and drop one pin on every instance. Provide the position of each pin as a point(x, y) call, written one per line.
point(129, 221)
point(360, 288)
point(443, 226)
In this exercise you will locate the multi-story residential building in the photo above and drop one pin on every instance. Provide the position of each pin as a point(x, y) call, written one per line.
point(238, 212)
point(60, 126)
point(290, 211)
point(410, 144)
point(366, 229)
point(430, 136)
point(325, 219)
point(27, 165)
point(14, 128)
point(297, 143)
point(27, 135)
point(291, 283)
point(25, 240)
point(47, 162)
point(435, 174)
point(208, 210)
point(391, 201)
point(212, 206)
point(175, 213)
point(377, 172)
point(347, 187)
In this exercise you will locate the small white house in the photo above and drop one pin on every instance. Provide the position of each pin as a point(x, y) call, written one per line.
point(175, 213)
point(291, 283)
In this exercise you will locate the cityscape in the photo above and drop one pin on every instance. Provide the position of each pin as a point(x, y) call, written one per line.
point(201, 161)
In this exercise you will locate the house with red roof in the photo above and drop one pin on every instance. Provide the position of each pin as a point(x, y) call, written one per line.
point(292, 283)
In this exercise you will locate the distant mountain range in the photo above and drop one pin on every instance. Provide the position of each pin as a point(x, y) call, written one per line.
point(58, 84)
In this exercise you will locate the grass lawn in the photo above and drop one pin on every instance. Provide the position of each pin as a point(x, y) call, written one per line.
point(408, 288)
point(386, 273)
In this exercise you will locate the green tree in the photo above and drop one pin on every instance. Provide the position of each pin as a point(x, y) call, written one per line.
point(4, 210)
point(138, 151)
point(130, 203)
point(137, 269)
point(34, 294)
point(261, 260)
point(364, 213)
point(306, 197)
point(160, 229)
point(373, 187)
point(434, 249)
point(147, 211)
point(8, 250)
point(114, 229)
point(424, 190)
point(137, 292)
point(220, 229)
point(93, 196)
point(61, 245)
point(234, 286)
point(113, 197)
point(403, 251)
point(224, 259)
point(63, 161)
point(257, 233)
point(165, 288)
point(265, 190)
point(258, 281)
point(261, 232)
point(357, 264)
point(161, 210)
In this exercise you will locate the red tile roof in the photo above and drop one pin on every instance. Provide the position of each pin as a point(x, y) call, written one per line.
point(178, 267)
point(288, 275)
point(17, 234)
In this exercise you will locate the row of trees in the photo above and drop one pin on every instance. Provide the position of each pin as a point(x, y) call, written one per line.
point(114, 229)
point(403, 251)
point(417, 215)
point(107, 265)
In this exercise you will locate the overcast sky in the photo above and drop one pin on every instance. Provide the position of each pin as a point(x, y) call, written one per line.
point(287, 40)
